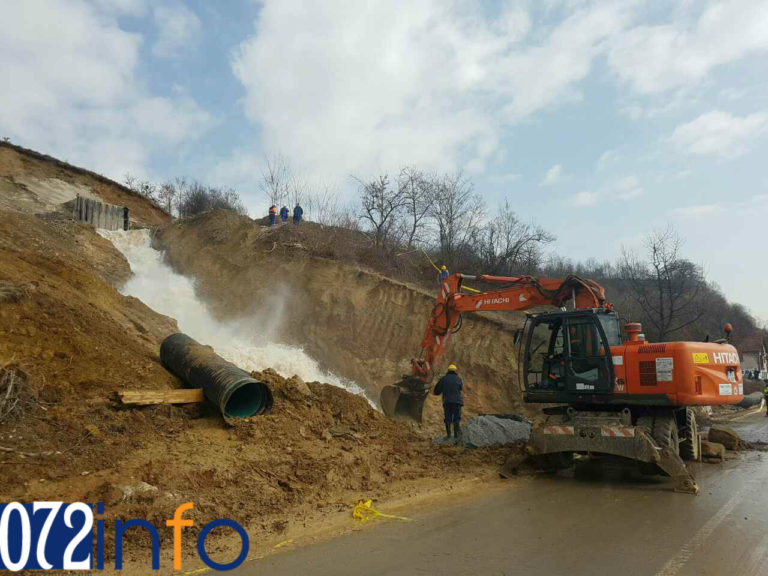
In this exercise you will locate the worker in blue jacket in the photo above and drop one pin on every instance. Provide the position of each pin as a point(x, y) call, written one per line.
point(298, 212)
point(284, 214)
point(450, 387)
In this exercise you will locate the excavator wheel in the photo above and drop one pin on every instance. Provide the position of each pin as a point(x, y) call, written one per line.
point(689, 447)
point(404, 400)
point(553, 461)
point(663, 430)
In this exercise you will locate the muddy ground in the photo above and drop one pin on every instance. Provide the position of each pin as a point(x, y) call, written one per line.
point(72, 340)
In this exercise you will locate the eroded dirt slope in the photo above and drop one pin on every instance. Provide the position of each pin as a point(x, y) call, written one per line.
point(33, 182)
point(358, 323)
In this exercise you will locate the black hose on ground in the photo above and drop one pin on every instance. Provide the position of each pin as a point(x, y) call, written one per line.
point(231, 389)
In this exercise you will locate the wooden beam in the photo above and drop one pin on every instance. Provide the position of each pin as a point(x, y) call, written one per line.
point(148, 397)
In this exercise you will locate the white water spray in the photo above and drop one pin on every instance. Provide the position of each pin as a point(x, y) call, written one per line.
point(169, 293)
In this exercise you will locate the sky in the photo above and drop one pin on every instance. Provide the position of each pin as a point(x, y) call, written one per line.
point(601, 121)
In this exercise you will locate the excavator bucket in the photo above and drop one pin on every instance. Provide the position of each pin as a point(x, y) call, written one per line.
point(404, 400)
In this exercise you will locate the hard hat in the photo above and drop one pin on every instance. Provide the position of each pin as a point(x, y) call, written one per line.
point(443, 267)
point(452, 368)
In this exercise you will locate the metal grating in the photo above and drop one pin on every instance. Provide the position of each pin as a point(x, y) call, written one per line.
point(648, 373)
point(653, 349)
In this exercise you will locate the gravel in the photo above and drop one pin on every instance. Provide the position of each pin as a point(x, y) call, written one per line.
point(493, 430)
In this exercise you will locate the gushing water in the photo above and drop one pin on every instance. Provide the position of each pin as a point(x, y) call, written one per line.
point(169, 293)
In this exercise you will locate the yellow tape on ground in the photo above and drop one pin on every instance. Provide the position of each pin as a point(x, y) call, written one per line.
point(198, 571)
point(365, 511)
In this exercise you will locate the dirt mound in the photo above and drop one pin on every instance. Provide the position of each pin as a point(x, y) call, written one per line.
point(75, 339)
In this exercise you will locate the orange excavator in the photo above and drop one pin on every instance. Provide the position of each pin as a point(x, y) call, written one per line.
point(605, 394)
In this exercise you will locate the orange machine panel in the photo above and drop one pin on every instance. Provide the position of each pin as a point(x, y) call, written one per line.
point(689, 373)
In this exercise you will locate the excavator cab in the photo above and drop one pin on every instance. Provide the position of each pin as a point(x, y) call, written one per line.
point(567, 355)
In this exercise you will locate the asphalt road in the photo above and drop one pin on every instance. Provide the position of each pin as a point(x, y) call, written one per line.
point(602, 519)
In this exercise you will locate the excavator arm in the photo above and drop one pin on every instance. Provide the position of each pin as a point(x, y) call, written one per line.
point(514, 293)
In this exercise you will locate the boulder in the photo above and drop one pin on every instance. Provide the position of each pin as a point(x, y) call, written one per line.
point(710, 450)
point(299, 385)
point(725, 436)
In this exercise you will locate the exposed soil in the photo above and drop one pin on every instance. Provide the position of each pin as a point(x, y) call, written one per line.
point(358, 323)
point(33, 182)
point(74, 340)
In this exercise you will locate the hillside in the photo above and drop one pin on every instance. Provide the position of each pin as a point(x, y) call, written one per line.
point(356, 322)
point(32, 182)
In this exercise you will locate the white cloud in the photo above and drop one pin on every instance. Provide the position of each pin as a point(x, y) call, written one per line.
point(176, 26)
point(625, 188)
point(553, 176)
point(606, 158)
point(699, 210)
point(628, 187)
point(431, 83)
point(132, 7)
point(505, 178)
point(719, 133)
point(653, 59)
point(756, 204)
point(73, 90)
point(585, 198)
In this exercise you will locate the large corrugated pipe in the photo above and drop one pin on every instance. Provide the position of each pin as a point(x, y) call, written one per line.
point(231, 389)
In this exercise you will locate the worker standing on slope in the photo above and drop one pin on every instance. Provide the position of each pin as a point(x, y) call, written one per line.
point(272, 214)
point(298, 212)
point(444, 272)
point(284, 214)
point(450, 387)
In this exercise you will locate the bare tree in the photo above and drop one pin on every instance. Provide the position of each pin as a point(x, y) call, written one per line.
point(457, 212)
point(664, 285)
point(415, 190)
point(276, 180)
point(380, 205)
point(506, 244)
point(167, 195)
point(143, 188)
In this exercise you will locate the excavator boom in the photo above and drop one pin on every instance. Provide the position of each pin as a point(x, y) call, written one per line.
point(514, 293)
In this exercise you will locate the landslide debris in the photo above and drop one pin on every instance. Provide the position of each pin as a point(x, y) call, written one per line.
point(77, 340)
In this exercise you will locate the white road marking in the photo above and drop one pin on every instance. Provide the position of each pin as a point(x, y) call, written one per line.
point(686, 552)
point(755, 565)
point(672, 567)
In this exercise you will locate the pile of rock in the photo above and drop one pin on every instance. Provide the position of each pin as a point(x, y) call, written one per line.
point(494, 430)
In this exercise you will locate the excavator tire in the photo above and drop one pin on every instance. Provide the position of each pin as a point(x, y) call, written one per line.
point(689, 446)
point(663, 429)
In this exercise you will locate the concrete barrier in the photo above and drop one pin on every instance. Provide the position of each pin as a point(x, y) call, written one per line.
point(100, 215)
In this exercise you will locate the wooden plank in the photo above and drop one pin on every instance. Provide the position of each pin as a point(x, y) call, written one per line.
point(175, 396)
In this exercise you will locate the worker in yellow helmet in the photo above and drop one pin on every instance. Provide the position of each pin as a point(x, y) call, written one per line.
point(444, 272)
point(450, 386)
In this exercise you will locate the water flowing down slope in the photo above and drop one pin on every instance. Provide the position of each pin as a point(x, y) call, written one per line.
point(248, 342)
